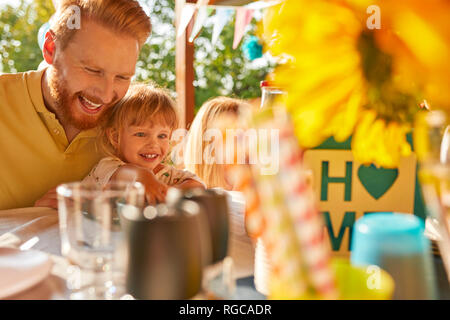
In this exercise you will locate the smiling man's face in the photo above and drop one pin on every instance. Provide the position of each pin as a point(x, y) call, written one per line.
point(91, 74)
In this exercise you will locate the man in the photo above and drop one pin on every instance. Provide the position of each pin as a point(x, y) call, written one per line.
point(48, 117)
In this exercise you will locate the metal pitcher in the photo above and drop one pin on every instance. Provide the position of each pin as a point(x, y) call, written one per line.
point(166, 250)
point(214, 205)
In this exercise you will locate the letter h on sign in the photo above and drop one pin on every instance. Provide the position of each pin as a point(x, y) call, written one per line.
point(326, 179)
point(349, 217)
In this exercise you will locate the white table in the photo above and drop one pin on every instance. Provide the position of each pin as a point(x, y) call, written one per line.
point(40, 222)
point(27, 223)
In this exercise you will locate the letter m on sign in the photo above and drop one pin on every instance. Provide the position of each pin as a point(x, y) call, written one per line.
point(336, 238)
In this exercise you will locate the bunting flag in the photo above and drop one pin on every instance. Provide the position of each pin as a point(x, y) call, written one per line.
point(258, 5)
point(186, 16)
point(201, 3)
point(221, 19)
point(243, 18)
point(244, 15)
point(203, 14)
point(55, 4)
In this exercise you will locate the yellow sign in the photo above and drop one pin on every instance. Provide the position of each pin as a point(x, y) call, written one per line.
point(347, 190)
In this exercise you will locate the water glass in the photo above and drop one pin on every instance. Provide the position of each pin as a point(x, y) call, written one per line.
point(92, 238)
point(396, 243)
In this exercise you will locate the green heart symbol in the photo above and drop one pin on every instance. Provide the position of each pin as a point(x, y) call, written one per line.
point(377, 181)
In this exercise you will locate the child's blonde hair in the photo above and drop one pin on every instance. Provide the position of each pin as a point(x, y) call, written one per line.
point(211, 174)
point(143, 103)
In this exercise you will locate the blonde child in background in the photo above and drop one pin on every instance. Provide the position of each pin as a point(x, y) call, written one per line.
point(212, 111)
point(136, 138)
point(213, 175)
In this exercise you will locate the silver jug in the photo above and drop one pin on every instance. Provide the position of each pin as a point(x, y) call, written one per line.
point(214, 206)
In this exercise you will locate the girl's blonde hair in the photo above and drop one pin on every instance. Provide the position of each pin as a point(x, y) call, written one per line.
point(209, 113)
point(143, 103)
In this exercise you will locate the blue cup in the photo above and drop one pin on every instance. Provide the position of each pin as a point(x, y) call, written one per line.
point(395, 242)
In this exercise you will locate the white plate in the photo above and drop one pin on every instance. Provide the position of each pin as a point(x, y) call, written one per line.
point(20, 270)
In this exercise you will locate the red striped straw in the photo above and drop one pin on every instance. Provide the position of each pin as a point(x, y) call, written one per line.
point(280, 241)
point(273, 226)
point(305, 215)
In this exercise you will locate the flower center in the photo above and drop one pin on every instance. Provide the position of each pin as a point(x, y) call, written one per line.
point(383, 95)
point(376, 64)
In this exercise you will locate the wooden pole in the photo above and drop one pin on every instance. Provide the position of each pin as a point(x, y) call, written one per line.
point(184, 65)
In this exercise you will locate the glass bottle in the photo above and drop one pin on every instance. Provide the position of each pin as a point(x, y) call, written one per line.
point(269, 93)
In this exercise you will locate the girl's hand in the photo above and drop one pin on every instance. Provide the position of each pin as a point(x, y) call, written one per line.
point(155, 191)
point(50, 200)
point(189, 184)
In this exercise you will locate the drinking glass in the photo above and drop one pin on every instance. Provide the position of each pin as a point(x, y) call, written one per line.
point(92, 238)
point(434, 176)
point(395, 242)
point(269, 94)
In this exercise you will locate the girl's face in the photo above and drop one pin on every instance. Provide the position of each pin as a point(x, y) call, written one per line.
point(145, 145)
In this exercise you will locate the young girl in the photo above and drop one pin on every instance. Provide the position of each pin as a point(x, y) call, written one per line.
point(213, 174)
point(207, 118)
point(136, 138)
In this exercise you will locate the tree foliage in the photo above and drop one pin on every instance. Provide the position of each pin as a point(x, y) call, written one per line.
point(19, 49)
point(219, 70)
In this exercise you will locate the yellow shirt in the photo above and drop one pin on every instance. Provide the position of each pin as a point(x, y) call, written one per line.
point(35, 155)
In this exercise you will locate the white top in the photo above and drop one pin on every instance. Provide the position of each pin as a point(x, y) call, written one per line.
point(103, 171)
point(240, 245)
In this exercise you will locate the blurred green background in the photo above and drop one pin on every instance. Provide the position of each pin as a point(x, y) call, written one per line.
point(219, 70)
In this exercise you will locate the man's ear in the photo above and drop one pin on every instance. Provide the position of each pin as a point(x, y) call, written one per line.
point(113, 137)
point(48, 49)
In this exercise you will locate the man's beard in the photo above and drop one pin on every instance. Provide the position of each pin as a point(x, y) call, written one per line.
point(64, 101)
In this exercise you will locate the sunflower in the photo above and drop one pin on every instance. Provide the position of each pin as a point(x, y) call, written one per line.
point(344, 79)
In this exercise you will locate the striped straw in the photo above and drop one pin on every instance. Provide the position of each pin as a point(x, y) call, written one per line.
point(287, 277)
point(306, 218)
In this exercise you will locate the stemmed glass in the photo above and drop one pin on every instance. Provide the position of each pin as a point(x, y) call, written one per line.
point(434, 175)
